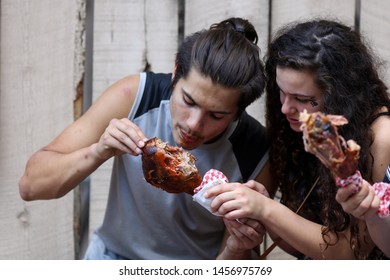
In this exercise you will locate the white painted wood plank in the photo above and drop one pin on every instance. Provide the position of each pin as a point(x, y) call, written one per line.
point(36, 103)
point(40, 68)
point(375, 27)
point(284, 11)
point(161, 34)
point(127, 34)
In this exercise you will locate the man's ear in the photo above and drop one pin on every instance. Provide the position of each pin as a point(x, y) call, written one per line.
point(174, 71)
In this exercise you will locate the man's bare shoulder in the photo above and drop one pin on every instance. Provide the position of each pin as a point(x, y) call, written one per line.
point(114, 103)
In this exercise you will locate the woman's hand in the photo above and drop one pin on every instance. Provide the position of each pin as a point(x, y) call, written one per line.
point(235, 200)
point(363, 204)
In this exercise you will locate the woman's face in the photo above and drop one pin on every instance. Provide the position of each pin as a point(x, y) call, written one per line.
point(201, 110)
point(298, 91)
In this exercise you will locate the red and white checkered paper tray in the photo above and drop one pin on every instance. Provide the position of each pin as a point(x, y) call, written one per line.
point(381, 189)
point(211, 179)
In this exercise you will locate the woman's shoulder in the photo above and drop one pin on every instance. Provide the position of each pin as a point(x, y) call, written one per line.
point(381, 127)
point(380, 148)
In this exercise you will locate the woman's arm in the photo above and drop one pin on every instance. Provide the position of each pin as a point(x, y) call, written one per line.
point(364, 205)
point(237, 201)
point(379, 229)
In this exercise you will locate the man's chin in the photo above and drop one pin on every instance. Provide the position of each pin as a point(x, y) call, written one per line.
point(189, 146)
point(186, 143)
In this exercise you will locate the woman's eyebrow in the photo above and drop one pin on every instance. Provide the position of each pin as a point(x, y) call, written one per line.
point(297, 94)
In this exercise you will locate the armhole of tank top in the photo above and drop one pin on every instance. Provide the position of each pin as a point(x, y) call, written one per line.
point(387, 175)
point(138, 98)
point(259, 166)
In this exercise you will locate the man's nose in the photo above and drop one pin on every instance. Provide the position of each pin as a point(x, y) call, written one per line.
point(195, 121)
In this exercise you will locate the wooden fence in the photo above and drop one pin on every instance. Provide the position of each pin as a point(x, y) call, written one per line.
point(57, 56)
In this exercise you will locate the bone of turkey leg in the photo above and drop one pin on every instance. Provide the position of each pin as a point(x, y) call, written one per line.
point(321, 138)
point(169, 168)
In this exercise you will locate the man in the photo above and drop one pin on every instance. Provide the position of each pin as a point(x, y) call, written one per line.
point(201, 107)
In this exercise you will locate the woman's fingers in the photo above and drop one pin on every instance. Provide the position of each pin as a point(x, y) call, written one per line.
point(361, 204)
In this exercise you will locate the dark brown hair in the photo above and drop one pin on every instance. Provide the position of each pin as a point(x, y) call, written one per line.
point(228, 54)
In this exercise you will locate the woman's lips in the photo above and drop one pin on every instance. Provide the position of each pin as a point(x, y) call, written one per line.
point(293, 121)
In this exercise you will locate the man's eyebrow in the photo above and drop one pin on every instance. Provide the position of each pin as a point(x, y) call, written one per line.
point(221, 112)
point(214, 112)
point(188, 95)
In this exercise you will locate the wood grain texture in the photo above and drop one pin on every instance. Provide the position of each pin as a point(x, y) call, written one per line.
point(42, 64)
point(37, 91)
point(129, 35)
point(287, 11)
point(375, 27)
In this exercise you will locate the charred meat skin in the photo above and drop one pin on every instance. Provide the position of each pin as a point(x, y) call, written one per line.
point(321, 138)
point(169, 168)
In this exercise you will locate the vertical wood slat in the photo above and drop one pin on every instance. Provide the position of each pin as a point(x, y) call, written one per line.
point(118, 51)
point(375, 27)
point(84, 100)
point(128, 36)
point(37, 90)
point(287, 11)
point(39, 72)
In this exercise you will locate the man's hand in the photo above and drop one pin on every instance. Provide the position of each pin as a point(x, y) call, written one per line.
point(245, 235)
point(120, 137)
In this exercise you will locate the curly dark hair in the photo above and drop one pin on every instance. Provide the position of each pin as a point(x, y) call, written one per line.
point(345, 70)
point(227, 52)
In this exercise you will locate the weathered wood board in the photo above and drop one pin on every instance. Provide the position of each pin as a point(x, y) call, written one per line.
point(39, 58)
point(42, 64)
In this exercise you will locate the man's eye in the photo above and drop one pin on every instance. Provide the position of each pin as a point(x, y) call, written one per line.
point(217, 117)
point(188, 101)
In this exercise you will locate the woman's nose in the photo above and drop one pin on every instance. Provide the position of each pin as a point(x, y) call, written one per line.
point(287, 105)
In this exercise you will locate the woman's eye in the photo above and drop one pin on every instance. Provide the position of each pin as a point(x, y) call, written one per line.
point(301, 100)
point(312, 102)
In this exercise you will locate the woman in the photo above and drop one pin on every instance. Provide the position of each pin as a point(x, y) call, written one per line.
point(318, 65)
